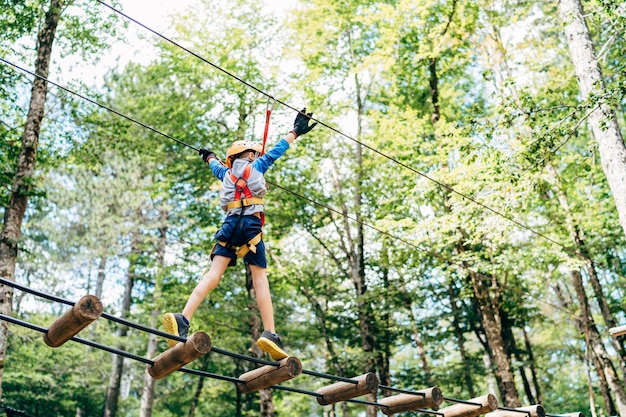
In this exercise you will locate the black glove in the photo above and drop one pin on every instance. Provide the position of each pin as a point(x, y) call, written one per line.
point(206, 154)
point(301, 124)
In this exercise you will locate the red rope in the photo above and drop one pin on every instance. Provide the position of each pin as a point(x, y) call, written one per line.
point(268, 113)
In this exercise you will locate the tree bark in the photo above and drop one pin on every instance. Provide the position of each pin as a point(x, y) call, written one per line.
point(433, 82)
point(602, 120)
point(115, 379)
point(355, 252)
point(196, 397)
point(579, 244)
point(568, 303)
point(417, 337)
point(594, 341)
point(320, 317)
point(265, 395)
point(458, 332)
point(147, 394)
point(100, 276)
point(510, 347)
point(493, 329)
point(22, 181)
point(533, 371)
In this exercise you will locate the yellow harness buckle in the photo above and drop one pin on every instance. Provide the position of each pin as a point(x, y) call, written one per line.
point(242, 250)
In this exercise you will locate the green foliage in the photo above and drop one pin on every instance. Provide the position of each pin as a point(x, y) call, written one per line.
point(52, 382)
point(438, 198)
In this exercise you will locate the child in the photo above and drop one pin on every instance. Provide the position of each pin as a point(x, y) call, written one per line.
point(243, 187)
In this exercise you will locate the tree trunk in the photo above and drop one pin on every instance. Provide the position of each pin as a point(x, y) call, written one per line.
point(458, 332)
point(533, 370)
point(415, 330)
point(196, 396)
point(147, 394)
point(492, 383)
point(594, 341)
point(579, 244)
point(493, 330)
point(100, 276)
point(603, 121)
point(265, 395)
point(383, 338)
point(590, 354)
point(115, 379)
point(510, 346)
point(433, 81)
point(320, 317)
point(592, 400)
point(607, 315)
point(22, 181)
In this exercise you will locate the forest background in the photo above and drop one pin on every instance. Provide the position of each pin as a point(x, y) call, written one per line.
point(453, 221)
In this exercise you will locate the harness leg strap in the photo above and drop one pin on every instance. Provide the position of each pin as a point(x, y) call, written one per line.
point(247, 247)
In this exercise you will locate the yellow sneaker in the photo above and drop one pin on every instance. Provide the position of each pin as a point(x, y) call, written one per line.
point(176, 324)
point(270, 343)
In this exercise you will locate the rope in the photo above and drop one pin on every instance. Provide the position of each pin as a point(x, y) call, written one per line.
point(193, 371)
point(335, 130)
point(164, 334)
point(421, 249)
point(185, 370)
point(241, 381)
point(116, 351)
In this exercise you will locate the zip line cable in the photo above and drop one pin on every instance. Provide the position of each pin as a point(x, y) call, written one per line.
point(377, 229)
point(163, 334)
point(392, 159)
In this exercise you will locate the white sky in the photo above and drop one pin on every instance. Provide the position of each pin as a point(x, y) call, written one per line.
point(153, 14)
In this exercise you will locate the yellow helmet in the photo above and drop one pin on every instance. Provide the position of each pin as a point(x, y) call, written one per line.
point(240, 146)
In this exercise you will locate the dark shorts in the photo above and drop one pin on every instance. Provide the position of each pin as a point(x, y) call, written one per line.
point(238, 232)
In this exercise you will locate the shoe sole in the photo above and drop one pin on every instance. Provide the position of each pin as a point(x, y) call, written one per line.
point(275, 352)
point(171, 327)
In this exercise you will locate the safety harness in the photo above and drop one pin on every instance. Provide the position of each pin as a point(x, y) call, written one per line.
point(243, 198)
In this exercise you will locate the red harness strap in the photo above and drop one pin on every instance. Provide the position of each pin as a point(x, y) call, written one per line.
point(241, 186)
point(241, 183)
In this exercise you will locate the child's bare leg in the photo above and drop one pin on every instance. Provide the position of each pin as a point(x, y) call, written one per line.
point(208, 283)
point(263, 296)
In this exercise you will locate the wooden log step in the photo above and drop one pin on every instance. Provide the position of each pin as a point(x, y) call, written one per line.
point(428, 398)
point(530, 411)
point(482, 405)
point(342, 391)
point(614, 331)
point(85, 311)
point(268, 375)
point(180, 355)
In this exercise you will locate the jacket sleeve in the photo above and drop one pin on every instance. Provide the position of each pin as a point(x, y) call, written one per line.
point(263, 163)
point(218, 169)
